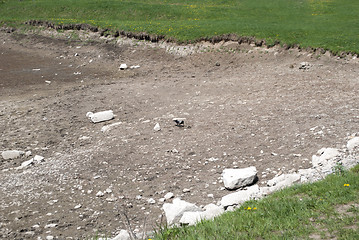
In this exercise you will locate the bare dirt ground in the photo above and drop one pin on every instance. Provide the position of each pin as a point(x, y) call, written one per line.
point(244, 106)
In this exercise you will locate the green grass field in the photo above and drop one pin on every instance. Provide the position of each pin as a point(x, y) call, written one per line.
point(329, 24)
point(328, 209)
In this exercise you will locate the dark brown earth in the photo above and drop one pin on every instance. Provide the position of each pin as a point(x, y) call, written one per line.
point(244, 106)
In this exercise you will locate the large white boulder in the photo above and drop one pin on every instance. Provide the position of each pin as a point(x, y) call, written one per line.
point(236, 178)
point(323, 155)
point(191, 218)
point(353, 143)
point(309, 175)
point(11, 154)
point(100, 116)
point(325, 160)
point(282, 181)
point(211, 211)
point(175, 210)
point(349, 162)
point(241, 196)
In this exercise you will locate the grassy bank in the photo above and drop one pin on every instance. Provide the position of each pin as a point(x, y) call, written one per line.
point(328, 209)
point(328, 24)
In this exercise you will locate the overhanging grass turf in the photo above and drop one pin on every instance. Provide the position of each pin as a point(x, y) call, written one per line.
point(329, 24)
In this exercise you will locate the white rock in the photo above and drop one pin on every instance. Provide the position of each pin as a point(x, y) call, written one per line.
point(100, 116)
point(11, 154)
point(38, 158)
point(78, 206)
point(191, 218)
point(112, 198)
point(353, 143)
point(241, 196)
point(328, 153)
point(236, 178)
point(174, 211)
point(123, 235)
point(169, 195)
point(27, 163)
point(123, 66)
point(283, 181)
point(157, 127)
point(100, 194)
point(110, 126)
point(134, 67)
point(350, 162)
point(212, 211)
point(51, 225)
point(309, 175)
point(325, 160)
point(151, 201)
point(49, 237)
point(186, 190)
point(28, 153)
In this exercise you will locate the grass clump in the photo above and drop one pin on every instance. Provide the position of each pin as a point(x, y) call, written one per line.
point(325, 209)
point(327, 24)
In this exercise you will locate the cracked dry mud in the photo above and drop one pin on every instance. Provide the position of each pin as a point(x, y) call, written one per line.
point(244, 106)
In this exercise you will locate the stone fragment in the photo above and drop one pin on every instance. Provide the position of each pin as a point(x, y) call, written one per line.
point(11, 154)
point(100, 116)
point(100, 194)
point(28, 153)
point(236, 178)
point(353, 143)
point(186, 190)
point(134, 67)
point(169, 195)
point(38, 158)
point(241, 196)
point(78, 206)
point(27, 163)
point(151, 201)
point(157, 127)
point(123, 66)
point(51, 225)
point(174, 211)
